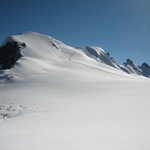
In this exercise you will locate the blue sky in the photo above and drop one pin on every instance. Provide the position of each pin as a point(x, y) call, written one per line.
point(120, 27)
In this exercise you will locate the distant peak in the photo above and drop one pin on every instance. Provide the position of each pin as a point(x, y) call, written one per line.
point(129, 61)
point(146, 65)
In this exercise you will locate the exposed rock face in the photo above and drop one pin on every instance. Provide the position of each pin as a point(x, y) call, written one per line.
point(146, 65)
point(129, 61)
point(9, 54)
point(131, 68)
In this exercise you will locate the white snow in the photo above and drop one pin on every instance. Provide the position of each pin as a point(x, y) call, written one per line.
point(57, 97)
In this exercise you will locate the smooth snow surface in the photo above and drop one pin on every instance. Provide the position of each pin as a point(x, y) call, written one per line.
point(57, 97)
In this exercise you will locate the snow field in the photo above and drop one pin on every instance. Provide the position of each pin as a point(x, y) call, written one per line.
point(61, 99)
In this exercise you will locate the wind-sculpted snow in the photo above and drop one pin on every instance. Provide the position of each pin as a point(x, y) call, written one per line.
point(99, 54)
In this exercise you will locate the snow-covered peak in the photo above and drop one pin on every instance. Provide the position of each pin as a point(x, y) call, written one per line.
point(41, 51)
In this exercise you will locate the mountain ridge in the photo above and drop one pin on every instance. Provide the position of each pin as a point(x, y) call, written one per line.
point(51, 48)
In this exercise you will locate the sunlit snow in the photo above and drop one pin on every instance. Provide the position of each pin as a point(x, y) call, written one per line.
point(65, 98)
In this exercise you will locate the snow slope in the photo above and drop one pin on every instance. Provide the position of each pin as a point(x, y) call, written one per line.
point(65, 98)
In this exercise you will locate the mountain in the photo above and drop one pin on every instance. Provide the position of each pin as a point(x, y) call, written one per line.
point(132, 68)
point(54, 96)
point(45, 48)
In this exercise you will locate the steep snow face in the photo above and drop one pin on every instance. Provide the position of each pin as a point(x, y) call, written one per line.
point(98, 54)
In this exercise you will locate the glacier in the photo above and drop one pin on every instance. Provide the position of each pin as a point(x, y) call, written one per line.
point(59, 97)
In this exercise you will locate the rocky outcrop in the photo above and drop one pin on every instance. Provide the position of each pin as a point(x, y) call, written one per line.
point(130, 62)
point(131, 68)
point(10, 53)
point(146, 65)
